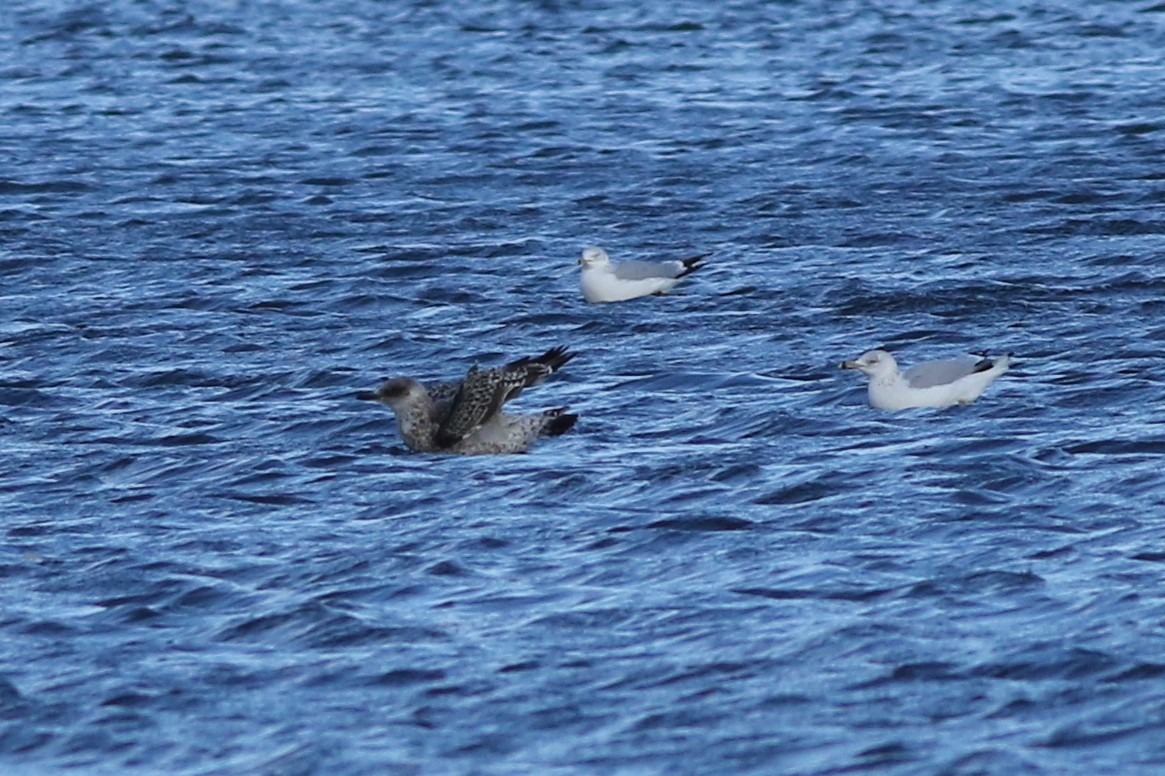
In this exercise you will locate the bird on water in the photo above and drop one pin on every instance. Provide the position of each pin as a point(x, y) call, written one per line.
point(465, 417)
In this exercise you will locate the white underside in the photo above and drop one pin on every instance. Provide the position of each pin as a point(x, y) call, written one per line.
point(502, 434)
point(601, 285)
point(894, 393)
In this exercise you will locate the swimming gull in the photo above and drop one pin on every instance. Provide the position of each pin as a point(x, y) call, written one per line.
point(929, 383)
point(605, 281)
point(465, 417)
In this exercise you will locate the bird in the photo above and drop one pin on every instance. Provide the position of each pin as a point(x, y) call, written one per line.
point(603, 280)
point(928, 383)
point(465, 418)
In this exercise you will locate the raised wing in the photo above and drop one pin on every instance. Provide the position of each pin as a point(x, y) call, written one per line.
point(440, 392)
point(553, 360)
point(928, 374)
point(483, 392)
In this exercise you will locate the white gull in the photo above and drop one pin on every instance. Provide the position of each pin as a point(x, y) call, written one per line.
point(928, 383)
point(605, 281)
point(465, 417)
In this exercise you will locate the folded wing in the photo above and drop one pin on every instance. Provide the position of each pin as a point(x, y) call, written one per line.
point(929, 374)
point(651, 270)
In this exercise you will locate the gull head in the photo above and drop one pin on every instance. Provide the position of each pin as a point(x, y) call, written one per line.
point(593, 256)
point(397, 392)
point(875, 363)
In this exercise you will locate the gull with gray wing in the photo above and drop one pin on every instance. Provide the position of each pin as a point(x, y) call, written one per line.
point(928, 383)
point(603, 280)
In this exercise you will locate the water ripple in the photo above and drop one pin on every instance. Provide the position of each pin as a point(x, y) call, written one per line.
point(219, 226)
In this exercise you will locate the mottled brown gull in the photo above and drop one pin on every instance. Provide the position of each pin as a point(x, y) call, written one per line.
point(466, 417)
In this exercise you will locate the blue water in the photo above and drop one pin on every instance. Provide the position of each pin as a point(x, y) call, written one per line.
point(219, 221)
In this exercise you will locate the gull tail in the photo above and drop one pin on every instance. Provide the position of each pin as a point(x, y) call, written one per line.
point(558, 421)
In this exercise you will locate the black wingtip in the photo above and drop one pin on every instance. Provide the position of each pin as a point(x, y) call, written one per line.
point(555, 358)
point(560, 421)
point(986, 362)
point(692, 264)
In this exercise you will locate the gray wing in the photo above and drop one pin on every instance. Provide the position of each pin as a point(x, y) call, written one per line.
point(928, 374)
point(647, 270)
point(482, 393)
point(653, 270)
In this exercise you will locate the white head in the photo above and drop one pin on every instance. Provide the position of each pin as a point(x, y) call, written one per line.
point(875, 363)
point(594, 256)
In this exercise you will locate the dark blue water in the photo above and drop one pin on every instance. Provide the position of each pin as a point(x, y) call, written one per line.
point(218, 221)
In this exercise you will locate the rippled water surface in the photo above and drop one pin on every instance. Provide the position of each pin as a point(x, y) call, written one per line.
point(219, 221)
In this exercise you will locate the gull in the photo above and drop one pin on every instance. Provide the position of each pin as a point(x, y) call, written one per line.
point(604, 281)
point(929, 383)
point(465, 417)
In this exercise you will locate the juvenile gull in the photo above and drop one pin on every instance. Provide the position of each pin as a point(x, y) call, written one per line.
point(465, 417)
point(605, 281)
point(929, 383)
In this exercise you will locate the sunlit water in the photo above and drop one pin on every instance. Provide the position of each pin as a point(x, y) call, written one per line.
point(219, 221)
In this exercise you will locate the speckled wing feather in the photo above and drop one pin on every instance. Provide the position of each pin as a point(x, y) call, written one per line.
point(543, 366)
point(483, 392)
point(440, 392)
